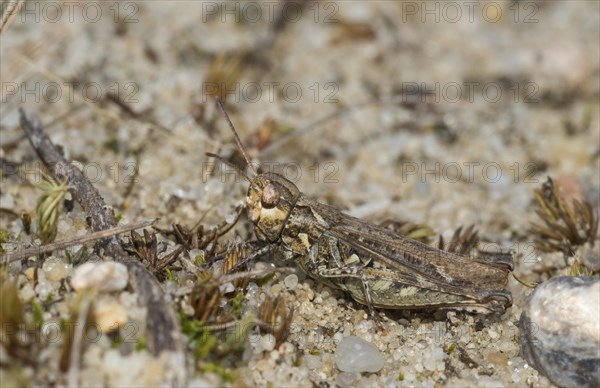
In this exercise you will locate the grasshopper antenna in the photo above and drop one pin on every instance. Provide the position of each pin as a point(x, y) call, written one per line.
point(236, 168)
point(237, 138)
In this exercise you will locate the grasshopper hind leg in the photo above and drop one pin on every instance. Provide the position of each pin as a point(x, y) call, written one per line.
point(356, 273)
point(369, 301)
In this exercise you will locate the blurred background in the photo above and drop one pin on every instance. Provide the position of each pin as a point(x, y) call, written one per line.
point(448, 113)
point(378, 103)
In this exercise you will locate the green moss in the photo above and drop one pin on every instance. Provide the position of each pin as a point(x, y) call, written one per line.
point(236, 304)
point(450, 348)
point(314, 352)
point(226, 374)
point(4, 236)
point(284, 129)
point(141, 344)
point(235, 341)
point(264, 280)
point(200, 338)
point(171, 276)
point(112, 143)
point(401, 376)
point(116, 342)
point(199, 260)
point(38, 315)
point(14, 376)
point(204, 346)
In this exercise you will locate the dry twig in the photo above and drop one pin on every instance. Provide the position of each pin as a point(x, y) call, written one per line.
point(10, 257)
point(162, 326)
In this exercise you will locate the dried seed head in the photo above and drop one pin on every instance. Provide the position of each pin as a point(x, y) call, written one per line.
point(276, 317)
point(47, 207)
point(566, 225)
point(233, 255)
point(205, 297)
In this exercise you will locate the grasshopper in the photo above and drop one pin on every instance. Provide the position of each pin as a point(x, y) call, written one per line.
point(376, 266)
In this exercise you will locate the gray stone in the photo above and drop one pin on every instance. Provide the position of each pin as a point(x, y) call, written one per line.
point(354, 354)
point(560, 330)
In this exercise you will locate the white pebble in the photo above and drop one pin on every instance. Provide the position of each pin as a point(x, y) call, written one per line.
point(230, 218)
point(291, 281)
point(438, 354)
point(397, 355)
point(312, 362)
point(55, 269)
point(227, 288)
point(106, 277)
point(109, 316)
point(346, 379)
point(337, 338)
point(27, 293)
point(418, 367)
point(516, 377)
point(354, 354)
point(429, 364)
point(43, 289)
point(267, 342)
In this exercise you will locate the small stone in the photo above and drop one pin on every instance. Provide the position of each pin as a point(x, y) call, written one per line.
point(418, 367)
point(498, 358)
point(56, 269)
point(276, 289)
point(227, 288)
point(337, 338)
point(269, 374)
point(409, 376)
point(27, 293)
point(109, 316)
point(354, 354)
point(438, 354)
point(30, 273)
point(312, 362)
point(346, 379)
point(291, 281)
point(560, 330)
point(429, 364)
point(230, 218)
point(106, 276)
point(44, 288)
point(267, 342)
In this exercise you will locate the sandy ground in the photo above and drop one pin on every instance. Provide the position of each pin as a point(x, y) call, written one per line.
point(443, 113)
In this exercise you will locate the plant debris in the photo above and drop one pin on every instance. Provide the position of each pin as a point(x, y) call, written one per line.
point(565, 225)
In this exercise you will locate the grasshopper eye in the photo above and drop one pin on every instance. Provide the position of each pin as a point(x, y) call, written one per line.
point(270, 196)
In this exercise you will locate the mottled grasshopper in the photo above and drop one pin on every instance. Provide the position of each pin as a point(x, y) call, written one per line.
point(377, 267)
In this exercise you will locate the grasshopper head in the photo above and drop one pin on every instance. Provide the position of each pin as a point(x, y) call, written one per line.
point(270, 200)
